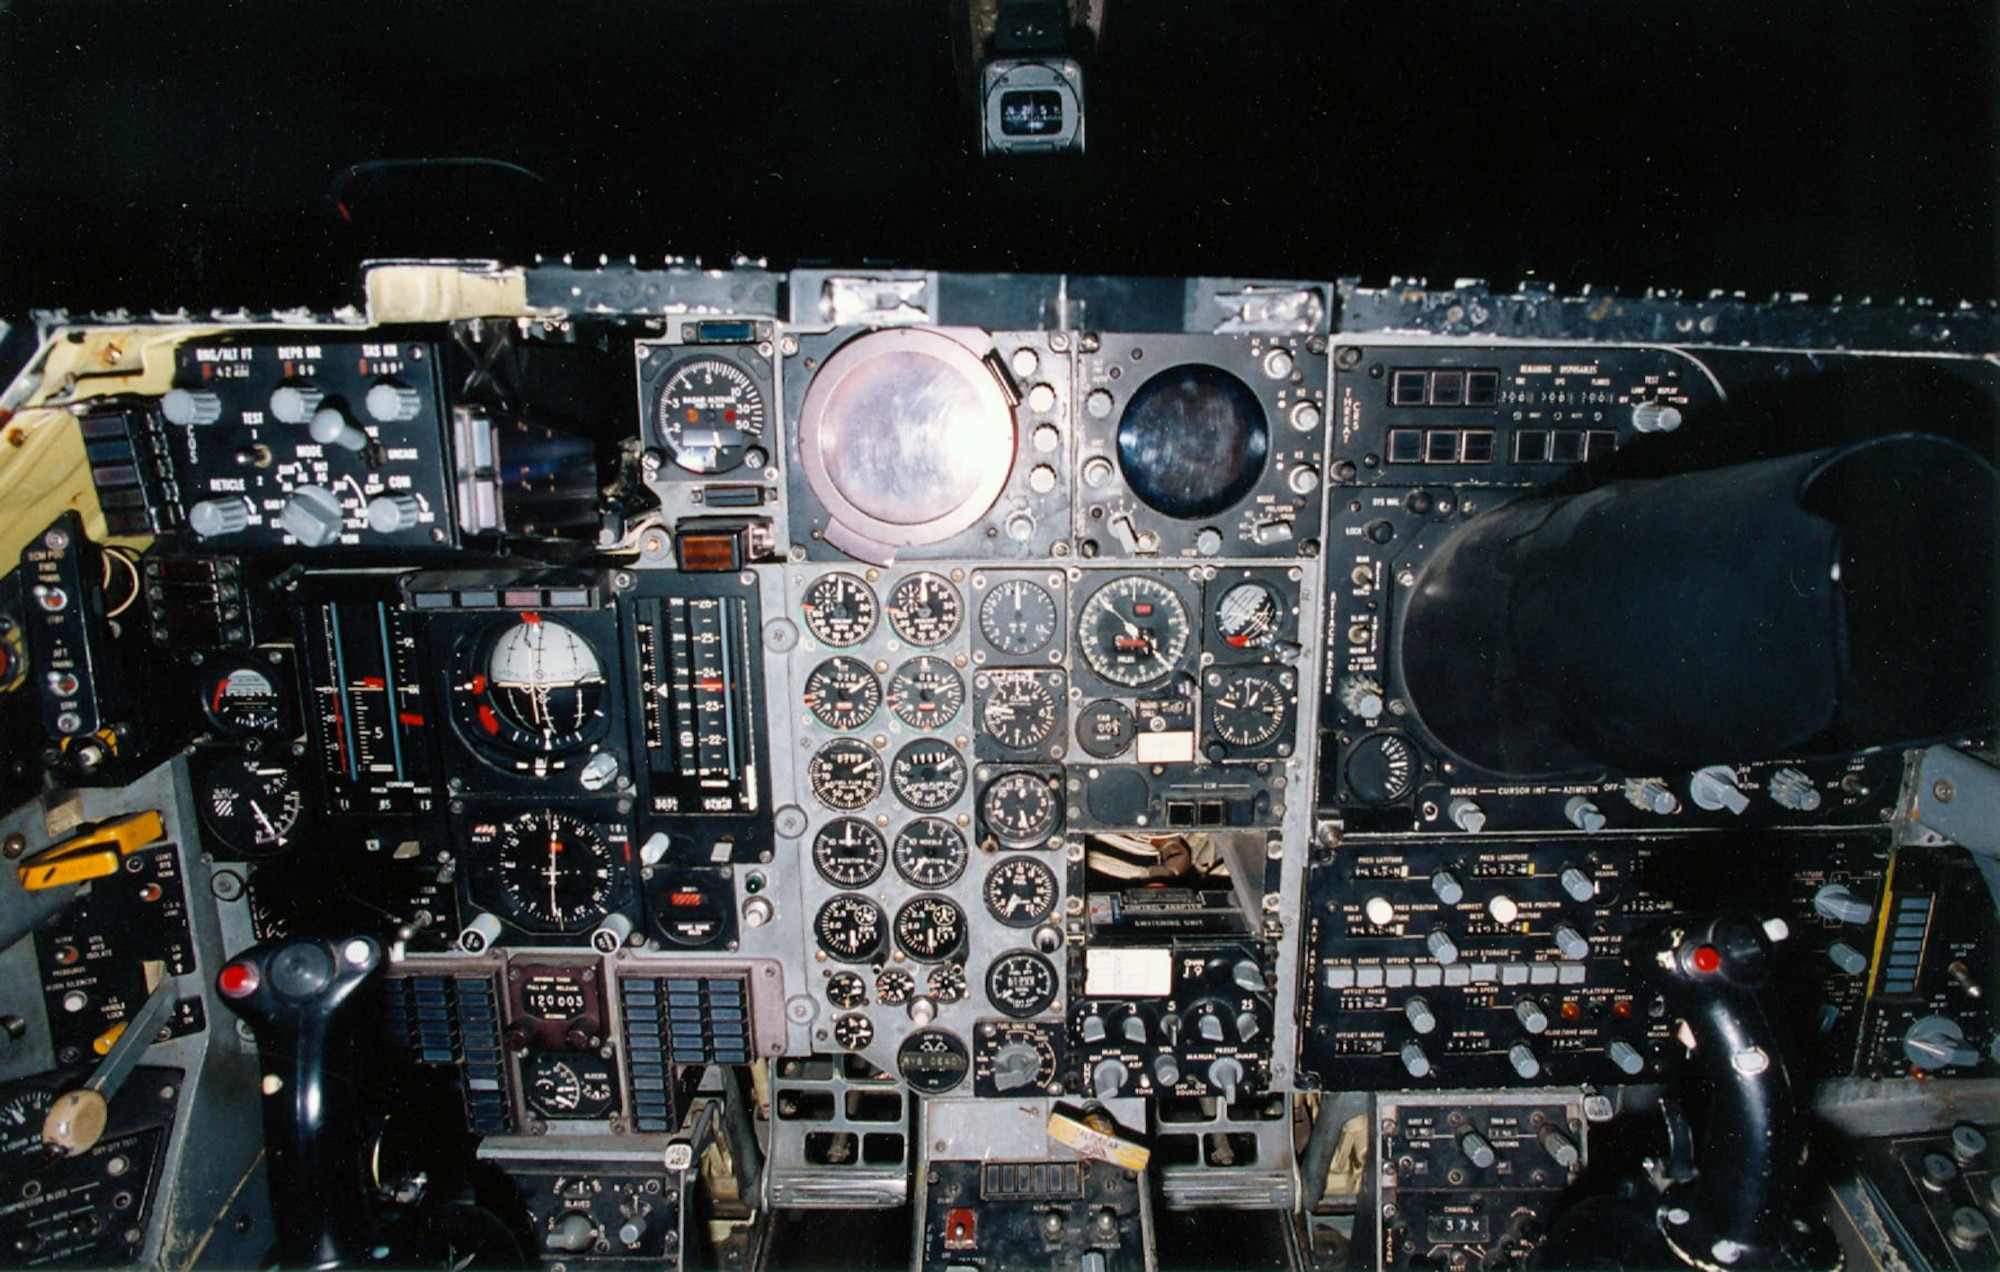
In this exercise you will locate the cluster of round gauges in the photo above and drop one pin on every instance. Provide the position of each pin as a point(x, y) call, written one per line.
point(554, 871)
point(844, 693)
point(926, 775)
point(842, 610)
point(709, 413)
point(529, 692)
point(896, 986)
point(928, 928)
point(928, 853)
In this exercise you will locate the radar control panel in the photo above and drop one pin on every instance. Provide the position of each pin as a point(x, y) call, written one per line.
point(855, 741)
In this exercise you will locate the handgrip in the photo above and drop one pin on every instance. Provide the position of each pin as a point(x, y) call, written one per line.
point(1742, 1206)
point(304, 999)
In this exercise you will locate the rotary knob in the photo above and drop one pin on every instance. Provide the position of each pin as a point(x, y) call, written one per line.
point(1714, 788)
point(191, 406)
point(1532, 1017)
point(212, 518)
point(331, 428)
point(1626, 1057)
point(1792, 789)
point(1415, 1062)
point(1108, 1078)
point(1166, 1070)
point(1584, 815)
point(389, 514)
point(1447, 887)
point(1015, 1066)
point(295, 403)
point(1422, 1018)
point(1477, 1150)
point(1579, 886)
point(1441, 946)
point(1226, 1075)
point(392, 403)
point(1655, 417)
point(312, 516)
point(573, 1234)
point(1937, 1042)
point(1522, 1057)
point(1572, 944)
point(1467, 815)
point(1836, 902)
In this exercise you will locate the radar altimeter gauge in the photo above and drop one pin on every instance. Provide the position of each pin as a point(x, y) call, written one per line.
point(530, 692)
point(556, 872)
point(1133, 631)
point(710, 414)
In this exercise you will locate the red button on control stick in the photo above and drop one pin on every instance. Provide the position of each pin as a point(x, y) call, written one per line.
point(238, 980)
point(1706, 959)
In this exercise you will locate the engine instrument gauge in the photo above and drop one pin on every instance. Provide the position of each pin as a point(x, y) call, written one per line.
point(840, 609)
point(531, 687)
point(1020, 809)
point(556, 872)
point(928, 774)
point(894, 987)
point(930, 853)
point(251, 805)
point(242, 700)
point(1249, 709)
point(851, 928)
point(925, 610)
point(1249, 617)
point(946, 983)
point(842, 693)
point(852, 1033)
point(845, 774)
point(930, 929)
point(1018, 617)
point(710, 412)
point(1133, 631)
point(926, 693)
point(1020, 892)
point(21, 1118)
point(568, 1086)
point(1021, 983)
point(1018, 709)
point(849, 853)
point(846, 990)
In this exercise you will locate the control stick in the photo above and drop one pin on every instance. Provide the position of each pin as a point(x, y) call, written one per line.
point(304, 999)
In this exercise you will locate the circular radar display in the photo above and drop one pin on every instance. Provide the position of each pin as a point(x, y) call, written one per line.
point(1133, 631)
point(845, 774)
point(842, 693)
point(1021, 983)
point(534, 687)
point(930, 853)
point(1249, 616)
point(851, 929)
point(1019, 710)
point(928, 774)
point(1249, 709)
point(1193, 441)
point(906, 437)
point(710, 413)
point(1020, 892)
point(1020, 809)
point(840, 609)
point(849, 853)
point(930, 929)
point(926, 693)
point(1018, 617)
point(250, 805)
point(846, 990)
point(556, 872)
point(925, 610)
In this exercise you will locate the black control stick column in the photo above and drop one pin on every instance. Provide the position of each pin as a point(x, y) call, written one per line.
point(304, 999)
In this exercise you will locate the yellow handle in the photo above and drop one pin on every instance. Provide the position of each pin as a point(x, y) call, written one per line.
point(93, 854)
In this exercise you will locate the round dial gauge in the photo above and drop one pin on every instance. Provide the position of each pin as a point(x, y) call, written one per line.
point(846, 990)
point(710, 412)
point(1105, 729)
point(845, 774)
point(932, 1060)
point(243, 701)
point(537, 687)
point(1020, 892)
point(21, 1119)
point(930, 929)
point(894, 987)
point(1249, 709)
point(930, 853)
point(556, 872)
point(1382, 768)
point(925, 610)
point(1021, 983)
point(1249, 617)
point(568, 1086)
point(1018, 711)
point(849, 853)
point(842, 693)
point(851, 928)
point(852, 1033)
point(1133, 631)
point(691, 912)
point(926, 693)
point(251, 806)
point(928, 774)
point(946, 983)
point(1020, 808)
point(1018, 617)
point(840, 609)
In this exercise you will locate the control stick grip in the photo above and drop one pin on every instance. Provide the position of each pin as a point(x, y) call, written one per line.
point(304, 1000)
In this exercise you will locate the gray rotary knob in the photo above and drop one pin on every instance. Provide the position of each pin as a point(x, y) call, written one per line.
point(191, 406)
point(295, 403)
point(392, 403)
point(312, 516)
point(388, 514)
point(331, 428)
point(212, 518)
